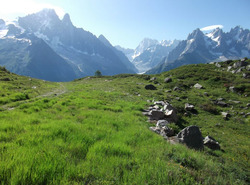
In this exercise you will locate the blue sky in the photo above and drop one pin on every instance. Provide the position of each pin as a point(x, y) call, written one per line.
point(127, 22)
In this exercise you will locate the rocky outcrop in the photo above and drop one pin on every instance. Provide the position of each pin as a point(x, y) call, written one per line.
point(156, 115)
point(240, 63)
point(221, 103)
point(198, 86)
point(162, 123)
point(164, 113)
point(161, 110)
point(150, 87)
point(211, 143)
point(163, 131)
point(225, 115)
point(189, 107)
point(191, 137)
point(167, 80)
point(171, 113)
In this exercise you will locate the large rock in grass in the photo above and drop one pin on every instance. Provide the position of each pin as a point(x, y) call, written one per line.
point(164, 131)
point(198, 86)
point(240, 64)
point(150, 87)
point(225, 115)
point(211, 143)
point(191, 137)
point(162, 123)
point(171, 113)
point(153, 79)
point(221, 103)
point(156, 115)
point(167, 132)
point(189, 107)
point(167, 80)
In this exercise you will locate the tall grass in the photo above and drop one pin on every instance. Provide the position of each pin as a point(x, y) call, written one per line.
point(95, 134)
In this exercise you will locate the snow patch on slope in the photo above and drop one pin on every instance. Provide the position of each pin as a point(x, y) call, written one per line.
point(41, 36)
point(3, 33)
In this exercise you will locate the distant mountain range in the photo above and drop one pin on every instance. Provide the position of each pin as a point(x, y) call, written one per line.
point(202, 48)
point(149, 53)
point(41, 45)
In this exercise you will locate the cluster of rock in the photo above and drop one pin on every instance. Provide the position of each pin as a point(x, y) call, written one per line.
point(154, 80)
point(237, 67)
point(161, 110)
point(162, 113)
point(221, 101)
point(191, 136)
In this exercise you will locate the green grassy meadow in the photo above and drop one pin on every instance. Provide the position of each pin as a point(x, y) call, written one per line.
point(92, 131)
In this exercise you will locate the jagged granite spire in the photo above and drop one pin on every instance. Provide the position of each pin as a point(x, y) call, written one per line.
point(66, 20)
point(195, 34)
point(104, 41)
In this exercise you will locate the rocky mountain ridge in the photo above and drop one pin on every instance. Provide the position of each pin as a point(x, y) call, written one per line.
point(214, 46)
point(149, 53)
point(79, 50)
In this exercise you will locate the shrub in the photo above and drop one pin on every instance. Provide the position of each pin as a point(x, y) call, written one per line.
point(20, 96)
point(98, 73)
point(208, 107)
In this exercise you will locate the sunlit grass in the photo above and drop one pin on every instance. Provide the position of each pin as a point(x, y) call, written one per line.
point(95, 133)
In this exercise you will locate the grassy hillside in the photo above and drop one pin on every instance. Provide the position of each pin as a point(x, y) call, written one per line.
point(92, 131)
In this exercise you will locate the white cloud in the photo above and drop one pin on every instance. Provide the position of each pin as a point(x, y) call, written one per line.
point(24, 7)
point(212, 27)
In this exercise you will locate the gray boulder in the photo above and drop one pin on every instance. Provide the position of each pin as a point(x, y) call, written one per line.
point(157, 130)
point(167, 132)
point(217, 65)
point(220, 99)
point(206, 94)
point(225, 115)
point(229, 68)
point(248, 68)
point(189, 107)
point(239, 64)
point(167, 80)
point(153, 79)
point(177, 88)
point(233, 89)
point(211, 143)
point(164, 131)
point(162, 123)
point(156, 115)
point(150, 87)
point(162, 103)
point(171, 113)
point(191, 137)
point(221, 103)
point(246, 75)
point(198, 86)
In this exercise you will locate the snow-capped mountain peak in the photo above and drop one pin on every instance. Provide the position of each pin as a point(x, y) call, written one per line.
point(166, 42)
point(47, 13)
point(214, 46)
point(144, 45)
point(79, 51)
